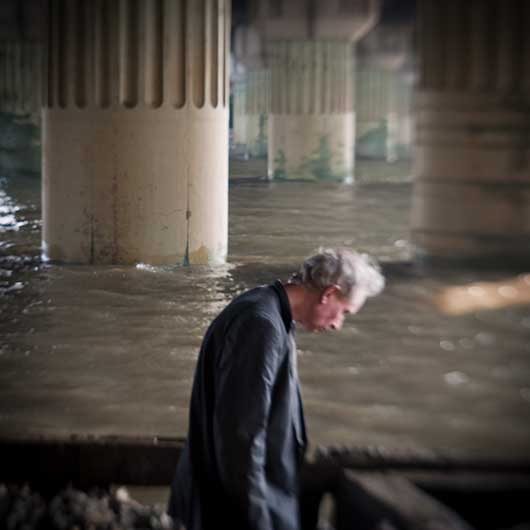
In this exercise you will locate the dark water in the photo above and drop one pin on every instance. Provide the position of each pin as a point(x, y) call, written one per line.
point(111, 350)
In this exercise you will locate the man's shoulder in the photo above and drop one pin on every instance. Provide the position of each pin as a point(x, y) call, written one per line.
point(259, 305)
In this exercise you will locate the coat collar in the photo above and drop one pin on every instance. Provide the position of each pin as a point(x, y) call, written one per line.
point(285, 306)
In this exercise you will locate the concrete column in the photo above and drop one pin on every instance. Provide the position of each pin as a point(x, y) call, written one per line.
point(311, 125)
point(257, 111)
point(135, 131)
point(383, 105)
point(239, 95)
point(472, 157)
point(252, 92)
point(310, 55)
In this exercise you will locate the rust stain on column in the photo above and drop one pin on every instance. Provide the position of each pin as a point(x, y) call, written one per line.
point(116, 173)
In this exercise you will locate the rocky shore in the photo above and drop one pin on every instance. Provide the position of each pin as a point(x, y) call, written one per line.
point(21, 508)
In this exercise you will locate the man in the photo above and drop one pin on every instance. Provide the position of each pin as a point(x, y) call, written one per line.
point(246, 440)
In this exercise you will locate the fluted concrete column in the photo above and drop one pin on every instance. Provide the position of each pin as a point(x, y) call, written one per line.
point(310, 55)
point(472, 157)
point(311, 125)
point(135, 130)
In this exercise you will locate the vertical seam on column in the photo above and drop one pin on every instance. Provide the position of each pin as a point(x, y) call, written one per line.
point(214, 53)
point(198, 50)
point(82, 26)
point(226, 62)
point(92, 242)
point(88, 85)
point(525, 63)
point(188, 83)
point(220, 51)
point(207, 51)
point(154, 55)
point(188, 219)
point(128, 54)
point(176, 56)
point(99, 70)
point(61, 30)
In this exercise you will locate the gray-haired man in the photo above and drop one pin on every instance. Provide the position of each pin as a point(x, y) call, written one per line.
point(246, 441)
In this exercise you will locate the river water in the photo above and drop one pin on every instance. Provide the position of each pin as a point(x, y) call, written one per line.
point(439, 362)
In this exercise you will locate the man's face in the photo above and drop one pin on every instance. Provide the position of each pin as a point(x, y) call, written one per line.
point(328, 309)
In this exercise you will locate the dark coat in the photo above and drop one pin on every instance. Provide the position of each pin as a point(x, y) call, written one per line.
point(246, 439)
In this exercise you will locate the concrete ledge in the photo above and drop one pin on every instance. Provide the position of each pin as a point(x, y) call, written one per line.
point(377, 501)
point(50, 462)
point(370, 487)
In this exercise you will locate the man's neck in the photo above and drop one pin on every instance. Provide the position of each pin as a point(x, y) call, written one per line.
point(297, 297)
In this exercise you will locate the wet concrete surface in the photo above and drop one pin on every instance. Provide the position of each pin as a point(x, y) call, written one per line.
point(111, 350)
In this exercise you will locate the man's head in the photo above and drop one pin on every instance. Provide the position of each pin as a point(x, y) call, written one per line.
point(332, 284)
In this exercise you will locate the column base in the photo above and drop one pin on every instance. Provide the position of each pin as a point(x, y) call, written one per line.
point(311, 146)
point(135, 186)
point(471, 197)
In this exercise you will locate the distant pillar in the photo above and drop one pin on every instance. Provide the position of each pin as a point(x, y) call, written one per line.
point(252, 91)
point(135, 131)
point(383, 105)
point(239, 95)
point(309, 50)
point(257, 111)
point(472, 157)
point(311, 125)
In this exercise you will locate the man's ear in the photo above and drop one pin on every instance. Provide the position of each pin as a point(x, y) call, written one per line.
point(328, 292)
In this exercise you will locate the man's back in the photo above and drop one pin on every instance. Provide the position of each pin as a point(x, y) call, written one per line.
point(246, 428)
point(246, 438)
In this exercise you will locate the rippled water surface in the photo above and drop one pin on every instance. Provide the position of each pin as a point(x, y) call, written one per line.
point(111, 350)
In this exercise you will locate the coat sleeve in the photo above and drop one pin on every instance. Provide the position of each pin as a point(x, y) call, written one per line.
point(244, 382)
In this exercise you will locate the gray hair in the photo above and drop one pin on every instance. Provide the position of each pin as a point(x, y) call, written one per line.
point(343, 267)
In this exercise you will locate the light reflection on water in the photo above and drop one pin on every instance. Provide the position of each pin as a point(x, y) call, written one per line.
point(111, 350)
